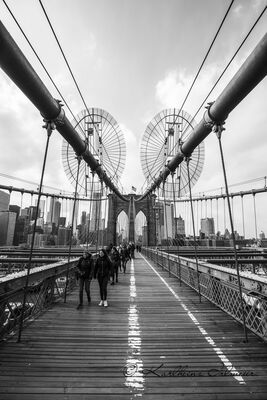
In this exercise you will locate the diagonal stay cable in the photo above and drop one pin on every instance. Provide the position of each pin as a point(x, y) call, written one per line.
point(63, 54)
point(72, 75)
point(205, 58)
point(227, 66)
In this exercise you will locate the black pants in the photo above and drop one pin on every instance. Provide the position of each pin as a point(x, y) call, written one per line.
point(115, 271)
point(124, 262)
point(84, 283)
point(103, 284)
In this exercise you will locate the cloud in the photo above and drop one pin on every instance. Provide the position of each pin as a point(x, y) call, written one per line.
point(238, 10)
point(22, 140)
point(173, 88)
point(90, 46)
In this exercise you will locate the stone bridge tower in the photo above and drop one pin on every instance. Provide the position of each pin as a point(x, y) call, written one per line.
point(131, 208)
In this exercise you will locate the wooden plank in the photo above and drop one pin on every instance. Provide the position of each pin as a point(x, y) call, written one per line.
point(81, 354)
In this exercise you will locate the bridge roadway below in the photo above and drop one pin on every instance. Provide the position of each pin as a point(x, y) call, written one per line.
point(154, 341)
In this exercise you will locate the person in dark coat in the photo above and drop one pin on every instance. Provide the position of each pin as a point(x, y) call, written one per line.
point(115, 259)
point(84, 273)
point(125, 256)
point(102, 271)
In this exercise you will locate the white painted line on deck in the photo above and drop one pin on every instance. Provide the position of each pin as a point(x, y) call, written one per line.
point(134, 378)
point(226, 362)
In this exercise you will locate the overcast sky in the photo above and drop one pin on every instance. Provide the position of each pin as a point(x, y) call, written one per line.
point(134, 58)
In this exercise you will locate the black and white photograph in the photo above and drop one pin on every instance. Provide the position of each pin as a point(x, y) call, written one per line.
point(133, 199)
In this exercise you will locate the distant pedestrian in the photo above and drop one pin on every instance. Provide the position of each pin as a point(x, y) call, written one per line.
point(115, 259)
point(102, 271)
point(125, 256)
point(84, 274)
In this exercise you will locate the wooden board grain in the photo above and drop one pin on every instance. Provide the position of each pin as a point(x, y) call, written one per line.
point(82, 354)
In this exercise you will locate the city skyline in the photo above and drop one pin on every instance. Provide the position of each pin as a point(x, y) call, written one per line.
point(168, 225)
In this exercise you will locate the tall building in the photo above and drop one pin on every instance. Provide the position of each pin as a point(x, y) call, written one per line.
point(25, 212)
point(83, 218)
point(62, 221)
point(15, 209)
point(21, 230)
point(159, 215)
point(262, 235)
point(180, 225)
point(56, 215)
point(96, 211)
point(32, 212)
point(40, 223)
point(7, 227)
point(168, 220)
point(4, 201)
point(63, 237)
point(54, 211)
point(207, 226)
point(75, 214)
point(41, 207)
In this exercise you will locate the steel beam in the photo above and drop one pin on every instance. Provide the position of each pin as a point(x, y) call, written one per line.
point(17, 67)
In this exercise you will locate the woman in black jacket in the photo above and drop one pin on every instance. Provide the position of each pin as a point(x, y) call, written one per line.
point(103, 268)
point(84, 271)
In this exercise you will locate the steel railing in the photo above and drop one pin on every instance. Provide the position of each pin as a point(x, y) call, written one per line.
point(219, 285)
point(47, 285)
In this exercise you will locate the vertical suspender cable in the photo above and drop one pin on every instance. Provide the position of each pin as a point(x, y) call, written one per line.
point(90, 210)
point(166, 225)
point(255, 216)
point(224, 214)
point(217, 215)
point(243, 219)
point(21, 200)
point(233, 214)
point(79, 158)
point(233, 235)
point(105, 217)
point(193, 224)
point(176, 234)
point(49, 127)
point(211, 213)
point(99, 215)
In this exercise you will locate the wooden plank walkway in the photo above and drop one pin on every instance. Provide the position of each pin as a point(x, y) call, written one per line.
point(154, 341)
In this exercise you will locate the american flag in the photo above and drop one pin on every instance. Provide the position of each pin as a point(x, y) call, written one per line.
point(133, 189)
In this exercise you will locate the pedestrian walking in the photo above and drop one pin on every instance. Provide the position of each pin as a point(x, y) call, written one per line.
point(102, 271)
point(115, 259)
point(125, 256)
point(84, 274)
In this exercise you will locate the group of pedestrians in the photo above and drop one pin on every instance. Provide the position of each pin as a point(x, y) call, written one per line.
point(105, 268)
